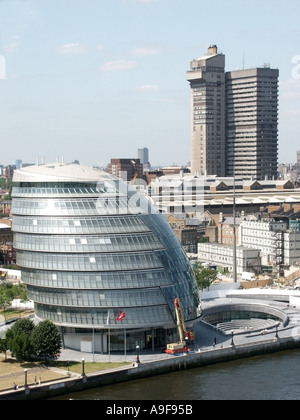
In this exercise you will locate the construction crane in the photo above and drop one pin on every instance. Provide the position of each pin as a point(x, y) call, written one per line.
point(184, 335)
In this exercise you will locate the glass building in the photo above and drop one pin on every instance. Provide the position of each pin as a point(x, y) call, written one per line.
point(92, 248)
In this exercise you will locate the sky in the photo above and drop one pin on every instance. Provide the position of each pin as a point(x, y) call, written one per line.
point(92, 80)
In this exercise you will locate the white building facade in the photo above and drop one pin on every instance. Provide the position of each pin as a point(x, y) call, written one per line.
point(220, 255)
point(265, 235)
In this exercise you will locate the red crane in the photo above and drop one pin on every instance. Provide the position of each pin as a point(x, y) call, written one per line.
point(184, 335)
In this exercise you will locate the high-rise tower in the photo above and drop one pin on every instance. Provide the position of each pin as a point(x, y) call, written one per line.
point(252, 123)
point(234, 119)
point(143, 155)
point(207, 81)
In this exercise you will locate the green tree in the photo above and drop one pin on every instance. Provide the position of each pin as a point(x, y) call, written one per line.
point(20, 292)
point(19, 338)
point(9, 292)
point(6, 296)
point(20, 346)
point(203, 239)
point(23, 325)
point(46, 340)
point(204, 276)
point(3, 346)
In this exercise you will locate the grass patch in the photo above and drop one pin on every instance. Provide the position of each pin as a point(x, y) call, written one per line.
point(12, 371)
point(15, 313)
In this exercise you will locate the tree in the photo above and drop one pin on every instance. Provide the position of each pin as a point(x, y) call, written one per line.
point(6, 296)
point(19, 338)
point(203, 239)
point(9, 292)
point(20, 346)
point(46, 340)
point(20, 292)
point(23, 325)
point(204, 276)
point(3, 346)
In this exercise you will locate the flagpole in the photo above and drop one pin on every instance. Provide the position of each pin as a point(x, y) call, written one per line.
point(108, 344)
point(108, 337)
point(125, 343)
point(119, 318)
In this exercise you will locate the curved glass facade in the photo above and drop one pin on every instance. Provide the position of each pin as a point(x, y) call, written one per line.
point(90, 248)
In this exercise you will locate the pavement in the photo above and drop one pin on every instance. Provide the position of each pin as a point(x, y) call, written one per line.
point(205, 336)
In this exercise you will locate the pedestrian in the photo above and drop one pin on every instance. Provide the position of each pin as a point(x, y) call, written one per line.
point(35, 380)
point(215, 342)
point(15, 386)
point(40, 381)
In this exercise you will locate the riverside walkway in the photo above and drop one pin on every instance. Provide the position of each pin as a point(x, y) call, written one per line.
point(205, 334)
point(211, 346)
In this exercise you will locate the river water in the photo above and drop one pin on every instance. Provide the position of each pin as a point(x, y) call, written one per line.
point(267, 377)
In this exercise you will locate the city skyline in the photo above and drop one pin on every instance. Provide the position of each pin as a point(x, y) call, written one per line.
point(99, 82)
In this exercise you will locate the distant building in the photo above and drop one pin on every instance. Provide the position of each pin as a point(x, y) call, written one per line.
point(252, 123)
point(126, 169)
point(207, 119)
point(143, 155)
point(190, 194)
point(187, 235)
point(233, 119)
point(265, 235)
point(17, 163)
point(175, 170)
point(221, 255)
point(7, 251)
point(5, 207)
point(291, 247)
point(227, 228)
point(152, 175)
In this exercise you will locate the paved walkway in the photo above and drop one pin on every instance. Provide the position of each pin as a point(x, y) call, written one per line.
point(205, 335)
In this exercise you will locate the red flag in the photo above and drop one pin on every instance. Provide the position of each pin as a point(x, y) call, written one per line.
point(121, 316)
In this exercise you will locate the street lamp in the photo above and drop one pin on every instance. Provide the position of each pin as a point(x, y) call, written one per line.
point(82, 373)
point(186, 342)
point(138, 354)
point(232, 332)
point(25, 374)
point(93, 337)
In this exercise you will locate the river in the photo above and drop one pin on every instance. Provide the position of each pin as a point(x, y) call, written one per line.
point(267, 377)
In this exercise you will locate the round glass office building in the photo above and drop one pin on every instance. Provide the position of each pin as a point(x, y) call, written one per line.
point(98, 259)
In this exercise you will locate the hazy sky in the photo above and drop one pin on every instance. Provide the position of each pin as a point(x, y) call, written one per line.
point(97, 79)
